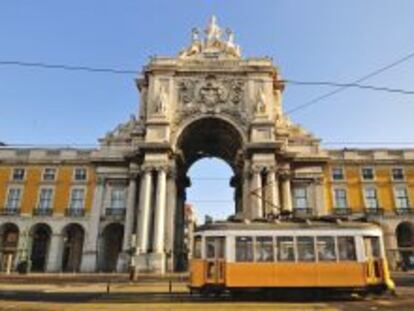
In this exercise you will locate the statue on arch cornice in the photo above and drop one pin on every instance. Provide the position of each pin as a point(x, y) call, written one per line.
point(213, 44)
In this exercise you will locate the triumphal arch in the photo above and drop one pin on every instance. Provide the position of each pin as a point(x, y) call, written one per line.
point(208, 101)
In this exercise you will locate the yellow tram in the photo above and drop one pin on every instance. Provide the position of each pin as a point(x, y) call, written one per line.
point(230, 256)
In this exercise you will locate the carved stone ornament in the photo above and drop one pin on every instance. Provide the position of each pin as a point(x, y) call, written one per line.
point(211, 91)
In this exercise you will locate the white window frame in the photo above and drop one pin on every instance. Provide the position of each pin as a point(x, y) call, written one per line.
point(18, 168)
point(74, 174)
point(407, 196)
point(373, 173)
point(376, 197)
point(71, 197)
point(336, 168)
point(52, 199)
point(115, 188)
point(346, 197)
point(54, 176)
point(305, 188)
point(392, 174)
point(19, 205)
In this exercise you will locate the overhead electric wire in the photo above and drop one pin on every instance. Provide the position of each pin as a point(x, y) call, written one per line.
point(343, 88)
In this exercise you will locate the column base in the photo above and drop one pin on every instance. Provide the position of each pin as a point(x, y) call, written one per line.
point(89, 261)
point(153, 263)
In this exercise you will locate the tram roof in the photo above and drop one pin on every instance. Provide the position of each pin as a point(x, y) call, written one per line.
point(287, 225)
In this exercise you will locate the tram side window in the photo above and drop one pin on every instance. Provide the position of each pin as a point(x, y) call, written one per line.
point(197, 247)
point(325, 246)
point(210, 248)
point(285, 247)
point(244, 248)
point(372, 246)
point(264, 249)
point(346, 248)
point(306, 248)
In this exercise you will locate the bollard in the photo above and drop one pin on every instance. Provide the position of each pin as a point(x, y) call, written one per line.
point(170, 286)
point(108, 287)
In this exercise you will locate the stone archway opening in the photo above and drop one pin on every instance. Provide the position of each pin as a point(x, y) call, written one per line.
point(405, 240)
point(41, 235)
point(208, 137)
point(112, 237)
point(9, 237)
point(210, 194)
point(73, 236)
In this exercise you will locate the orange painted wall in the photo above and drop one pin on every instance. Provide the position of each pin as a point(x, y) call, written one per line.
point(33, 181)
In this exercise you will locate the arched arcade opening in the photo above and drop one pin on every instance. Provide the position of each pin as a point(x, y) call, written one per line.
point(41, 235)
point(111, 245)
point(405, 240)
point(9, 237)
point(73, 236)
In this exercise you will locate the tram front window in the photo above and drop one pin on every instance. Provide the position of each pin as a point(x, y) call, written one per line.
point(210, 248)
point(306, 248)
point(197, 247)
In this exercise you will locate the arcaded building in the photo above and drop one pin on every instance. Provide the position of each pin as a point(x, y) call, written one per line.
point(122, 204)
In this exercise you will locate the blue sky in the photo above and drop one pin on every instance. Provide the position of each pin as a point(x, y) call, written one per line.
point(309, 40)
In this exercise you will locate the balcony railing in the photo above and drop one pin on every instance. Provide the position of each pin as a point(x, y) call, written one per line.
point(43, 212)
point(75, 212)
point(342, 211)
point(374, 211)
point(115, 211)
point(10, 211)
point(302, 212)
point(404, 211)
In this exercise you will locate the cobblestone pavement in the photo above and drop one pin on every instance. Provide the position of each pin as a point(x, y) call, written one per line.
point(154, 295)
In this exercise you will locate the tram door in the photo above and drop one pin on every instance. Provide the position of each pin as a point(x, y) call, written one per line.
point(373, 256)
point(215, 259)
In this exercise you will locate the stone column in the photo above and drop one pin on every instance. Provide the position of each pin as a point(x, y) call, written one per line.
point(272, 187)
point(159, 223)
point(90, 247)
point(319, 197)
point(246, 195)
point(158, 257)
point(55, 252)
point(143, 223)
point(170, 219)
point(256, 195)
point(124, 256)
point(286, 194)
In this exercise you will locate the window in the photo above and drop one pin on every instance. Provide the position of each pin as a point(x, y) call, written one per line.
point(13, 198)
point(264, 249)
point(210, 248)
point(244, 249)
point(397, 174)
point(367, 173)
point(45, 199)
point(372, 247)
point(77, 198)
point(337, 173)
point(300, 197)
point(325, 246)
point(285, 247)
point(49, 174)
point(371, 198)
point(18, 174)
point(306, 248)
point(80, 174)
point(401, 197)
point(346, 248)
point(197, 247)
point(118, 198)
point(340, 198)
